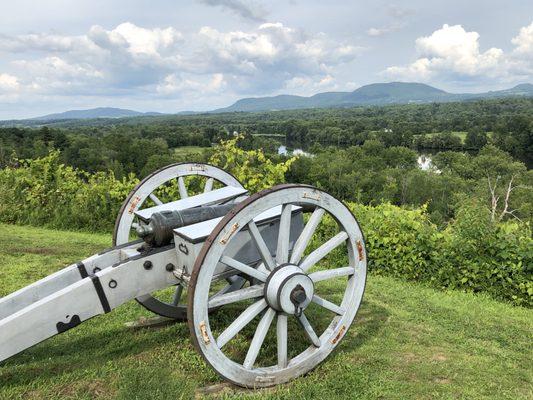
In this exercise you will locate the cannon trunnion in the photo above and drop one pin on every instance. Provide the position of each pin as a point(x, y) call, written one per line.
point(286, 267)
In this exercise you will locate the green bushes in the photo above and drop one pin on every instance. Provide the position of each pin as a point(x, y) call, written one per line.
point(47, 193)
point(471, 253)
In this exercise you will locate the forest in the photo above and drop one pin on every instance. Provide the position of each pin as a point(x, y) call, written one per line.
point(461, 221)
point(476, 149)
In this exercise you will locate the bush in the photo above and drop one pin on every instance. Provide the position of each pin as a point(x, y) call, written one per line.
point(471, 253)
point(47, 193)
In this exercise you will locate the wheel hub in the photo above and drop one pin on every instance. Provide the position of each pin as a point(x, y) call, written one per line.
point(289, 289)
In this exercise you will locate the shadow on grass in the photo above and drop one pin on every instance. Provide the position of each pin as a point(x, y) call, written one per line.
point(66, 355)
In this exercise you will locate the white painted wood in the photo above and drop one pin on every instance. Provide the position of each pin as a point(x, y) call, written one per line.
point(59, 280)
point(242, 320)
point(120, 283)
point(182, 188)
point(331, 273)
point(328, 305)
point(254, 273)
point(203, 199)
point(140, 193)
point(236, 296)
point(155, 199)
point(309, 331)
point(38, 321)
point(28, 295)
point(306, 235)
point(261, 245)
point(208, 185)
point(202, 230)
point(259, 337)
point(323, 251)
point(282, 250)
point(281, 330)
point(203, 275)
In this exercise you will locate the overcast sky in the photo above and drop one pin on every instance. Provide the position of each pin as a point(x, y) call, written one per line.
point(170, 56)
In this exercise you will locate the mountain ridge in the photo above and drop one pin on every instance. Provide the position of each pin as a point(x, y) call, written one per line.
point(372, 94)
point(98, 112)
point(367, 95)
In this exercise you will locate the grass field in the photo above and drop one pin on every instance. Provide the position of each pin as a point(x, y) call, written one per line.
point(408, 342)
point(184, 150)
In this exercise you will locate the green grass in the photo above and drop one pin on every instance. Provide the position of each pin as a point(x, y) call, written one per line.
point(408, 342)
point(186, 150)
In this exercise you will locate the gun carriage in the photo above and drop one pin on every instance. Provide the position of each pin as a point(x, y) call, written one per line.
point(247, 258)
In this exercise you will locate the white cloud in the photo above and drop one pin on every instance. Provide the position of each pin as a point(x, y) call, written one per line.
point(8, 83)
point(454, 54)
point(524, 41)
point(163, 61)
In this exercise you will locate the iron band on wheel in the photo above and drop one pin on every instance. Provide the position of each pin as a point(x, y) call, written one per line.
point(285, 287)
point(145, 190)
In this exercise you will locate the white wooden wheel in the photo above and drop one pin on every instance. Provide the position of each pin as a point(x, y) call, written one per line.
point(146, 189)
point(304, 298)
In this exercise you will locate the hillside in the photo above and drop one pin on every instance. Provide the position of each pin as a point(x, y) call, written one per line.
point(407, 342)
point(373, 94)
point(101, 112)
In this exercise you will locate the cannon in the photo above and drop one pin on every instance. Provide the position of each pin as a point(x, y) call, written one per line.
point(251, 274)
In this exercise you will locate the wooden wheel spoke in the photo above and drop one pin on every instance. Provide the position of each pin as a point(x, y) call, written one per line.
point(281, 329)
point(306, 235)
point(236, 296)
point(259, 337)
point(208, 185)
point(253, 272)
point(331, 273)
point(282, 250)
point(323, 250)
point(261, 245)
point(182, 188)
point(242, 320)
point(328, 305)
point(177, 295)
point(155, 199)
point(309, 331)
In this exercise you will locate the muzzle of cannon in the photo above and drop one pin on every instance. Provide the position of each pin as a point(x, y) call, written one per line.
point(289, 260)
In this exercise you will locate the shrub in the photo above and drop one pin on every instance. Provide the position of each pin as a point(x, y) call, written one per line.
point(47, 193)
point(471, 254)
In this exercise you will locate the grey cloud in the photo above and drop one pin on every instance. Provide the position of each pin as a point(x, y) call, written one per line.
point(252, 12)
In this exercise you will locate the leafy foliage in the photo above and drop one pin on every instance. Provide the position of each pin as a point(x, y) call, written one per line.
point(46, 192)
point(471, 254)
point(251, 167)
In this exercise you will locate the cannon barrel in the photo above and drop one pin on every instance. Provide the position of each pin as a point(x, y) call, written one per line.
point(159, 231)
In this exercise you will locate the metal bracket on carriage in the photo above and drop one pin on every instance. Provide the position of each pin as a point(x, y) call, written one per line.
point(254, 256)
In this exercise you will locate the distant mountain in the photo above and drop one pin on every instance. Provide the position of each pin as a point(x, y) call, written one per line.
point(101, 112)
point(374, 94)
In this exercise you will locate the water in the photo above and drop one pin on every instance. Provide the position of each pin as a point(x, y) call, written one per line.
point(284, 151)
point(425, 164)
point(423, 160)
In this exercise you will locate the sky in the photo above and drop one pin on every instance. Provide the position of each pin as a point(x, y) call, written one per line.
point(172, 56)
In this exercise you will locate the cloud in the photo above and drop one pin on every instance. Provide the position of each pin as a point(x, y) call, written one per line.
point(454, 54)
point(8, 83)
point(139, 61)
point(263, 60)
point(246, 10)
point(398, 19)
point(524, 41)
